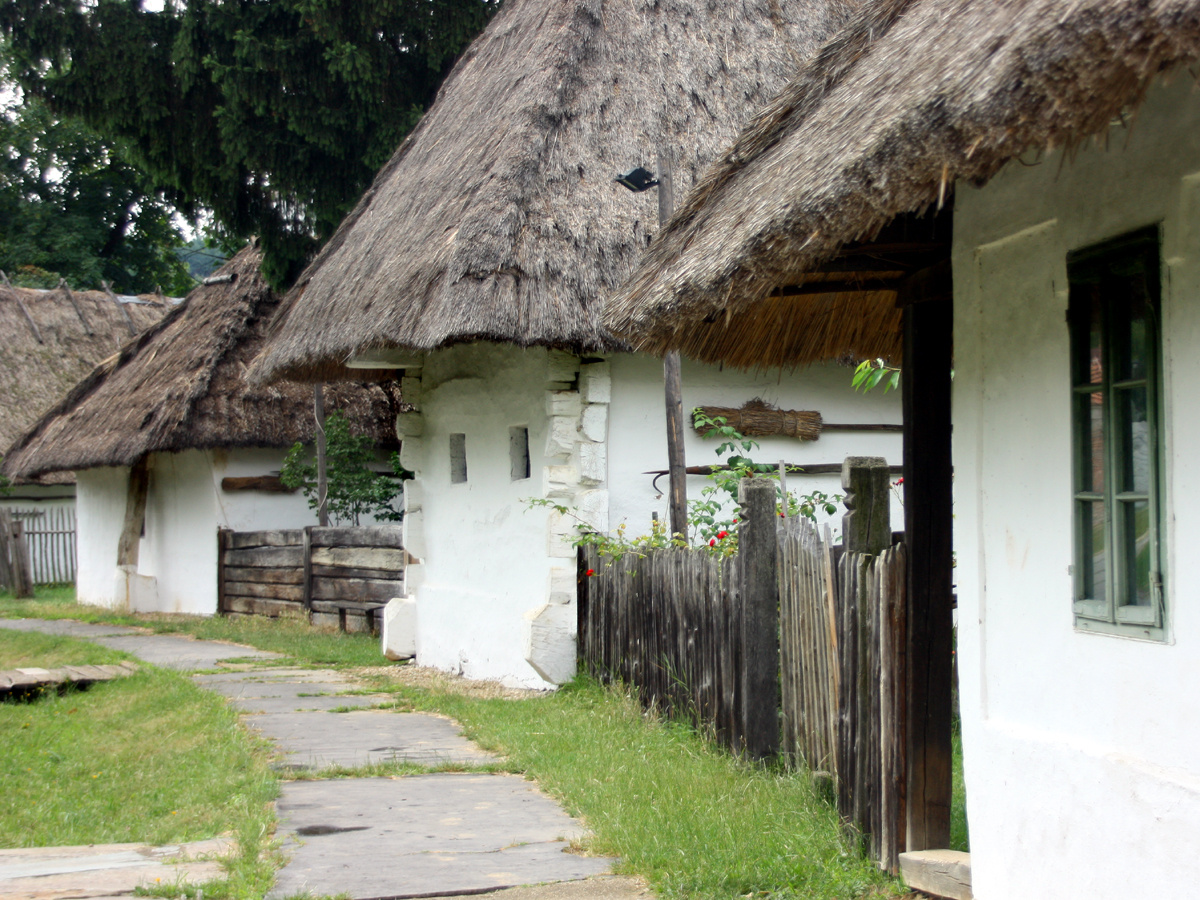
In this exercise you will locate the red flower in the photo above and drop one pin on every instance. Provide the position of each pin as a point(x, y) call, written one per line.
point(590, 573)
point(712, 542)
point(721, 535)
point(735, 521)
point(898, 482)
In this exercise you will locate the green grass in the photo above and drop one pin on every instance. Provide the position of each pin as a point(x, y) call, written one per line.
point(959, 838)
point(148, 758)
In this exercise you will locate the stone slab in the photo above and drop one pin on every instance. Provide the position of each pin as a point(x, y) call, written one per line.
point(942, 873)
point(106, 870)
point(318, 740)
point(425, 835)
point(181, 653)
point(275, 696)
point(67, 627)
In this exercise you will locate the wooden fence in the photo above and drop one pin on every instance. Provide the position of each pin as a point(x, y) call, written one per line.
point(673, 623)
point(51, 536)
point(333, 576)
point(16, 570)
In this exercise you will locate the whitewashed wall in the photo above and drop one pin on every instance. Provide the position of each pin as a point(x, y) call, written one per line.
point(99, 517)
point(496, 579)
point(1082, 751)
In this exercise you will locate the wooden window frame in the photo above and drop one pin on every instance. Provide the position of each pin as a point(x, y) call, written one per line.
point(1114, 613)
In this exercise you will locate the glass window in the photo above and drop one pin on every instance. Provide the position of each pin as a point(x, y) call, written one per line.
point(1114, 381)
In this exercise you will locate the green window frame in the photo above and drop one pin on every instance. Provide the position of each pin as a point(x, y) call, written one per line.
point(1116, 423)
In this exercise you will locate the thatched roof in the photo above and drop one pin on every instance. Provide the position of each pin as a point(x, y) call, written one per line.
point(180, 385)
point(913, 96)
point(51, 339)
point(498, 218)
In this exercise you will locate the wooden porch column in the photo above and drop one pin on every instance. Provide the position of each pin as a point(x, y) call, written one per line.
point(928, 337)
point(135, 513)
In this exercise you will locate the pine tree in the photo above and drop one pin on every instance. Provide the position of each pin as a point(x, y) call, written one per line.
point(273, 114)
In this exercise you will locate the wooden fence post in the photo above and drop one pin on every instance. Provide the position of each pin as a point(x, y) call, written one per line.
point(757, 552)
point(20, 567)
point(866, 526)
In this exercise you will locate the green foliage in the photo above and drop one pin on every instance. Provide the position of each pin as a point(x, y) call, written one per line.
point(870, 373)
point(72, 207)
point(273, 114)
point(354, 489)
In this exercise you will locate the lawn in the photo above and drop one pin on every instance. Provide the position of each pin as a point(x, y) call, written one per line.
point(691, 819)
point(148, 758)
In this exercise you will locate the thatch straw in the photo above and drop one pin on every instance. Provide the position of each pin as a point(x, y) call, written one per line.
point(70, 332)
point(180, 385)
point(498, 219)
point(757, 418)
point(914, 96)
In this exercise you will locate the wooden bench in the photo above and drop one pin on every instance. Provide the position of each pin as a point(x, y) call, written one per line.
point(369, 609)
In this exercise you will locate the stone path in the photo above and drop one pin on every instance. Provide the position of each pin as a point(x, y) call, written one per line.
point(367, 838)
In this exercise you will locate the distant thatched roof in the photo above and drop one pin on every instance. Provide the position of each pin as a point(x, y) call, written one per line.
point(913, 96)
point(51, 339)
point(498, 218)
point(179, 385)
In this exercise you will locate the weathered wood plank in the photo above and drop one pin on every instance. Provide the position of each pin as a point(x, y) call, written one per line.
point(359, 557)
point(264, 574)
point(260, 606)
point(332, 606)
point(32, 677)
point(359, 536)
point(760, 617)
point(135, 513)
point(269, 557)
point(241, 540)
point(271, 484)
point(293, 592)
point(355, 589)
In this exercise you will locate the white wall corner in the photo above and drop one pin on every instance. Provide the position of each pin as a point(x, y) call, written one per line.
point(410, 425)
point(593, 463)
point(410, 390)
point(595, 382)
point(592, 509)
point(562, 586)
point(560, 482)
point(550, 642)
point(560, 535)
point(399, 633)
point(594, 422)
point(561, 367)
point(561, 436)
point(563, 403)
point(134, 592)
point(413, 525)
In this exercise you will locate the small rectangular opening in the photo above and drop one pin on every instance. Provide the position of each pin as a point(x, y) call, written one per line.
point(518, 452)
point(458, 458)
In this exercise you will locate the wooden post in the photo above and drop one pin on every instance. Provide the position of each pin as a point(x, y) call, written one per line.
point(222, 545)
point(15, 569)
point(867, 525)
point(135, 513)
point(757, 552)
point(928, 345)
point(306, 549)
point(322, 475)
point(672, 379)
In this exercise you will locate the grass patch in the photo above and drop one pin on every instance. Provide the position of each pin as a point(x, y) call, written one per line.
point(149, 758)
point(29, 649)
point(959, 837)
point(677, 810)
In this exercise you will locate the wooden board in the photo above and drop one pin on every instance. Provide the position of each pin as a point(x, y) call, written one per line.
point(355, 589)
point(358, 557)
point(348, 572)
point(360, 536)
point(264, 575)
point(293, 592)
point(239, 540)
point(350, 606)
point(263, 607)
point(274, 557)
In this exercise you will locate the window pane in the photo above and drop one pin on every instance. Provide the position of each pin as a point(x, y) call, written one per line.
point(1136, 552)
point(1089, 359)
point(1092, 550)
point(1130, 321)
point(1091, 442)
point(1134, 434)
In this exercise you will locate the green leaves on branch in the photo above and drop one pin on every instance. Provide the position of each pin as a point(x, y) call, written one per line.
point(354, 489)
point(870, 373)
point(273, 114)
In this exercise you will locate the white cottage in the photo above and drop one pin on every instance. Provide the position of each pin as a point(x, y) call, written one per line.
point(1064, 142)
point(172, 413)
point(477, 263)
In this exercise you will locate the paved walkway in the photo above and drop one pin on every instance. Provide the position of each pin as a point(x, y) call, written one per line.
point(367, 838)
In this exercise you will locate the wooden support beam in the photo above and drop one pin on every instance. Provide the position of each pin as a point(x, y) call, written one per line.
point(121, 306)
point(896, 247)
point(66, 289)
point(928, 348)
point(856, 286)
point(37, 332)
point(268, 483)
point(757, 552)
point(135, 513)
point(672, 377)
point(931, 283)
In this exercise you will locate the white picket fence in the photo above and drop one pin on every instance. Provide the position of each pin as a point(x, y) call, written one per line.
point(50, 533)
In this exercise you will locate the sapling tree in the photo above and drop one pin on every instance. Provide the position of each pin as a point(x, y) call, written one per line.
point(354, 488)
